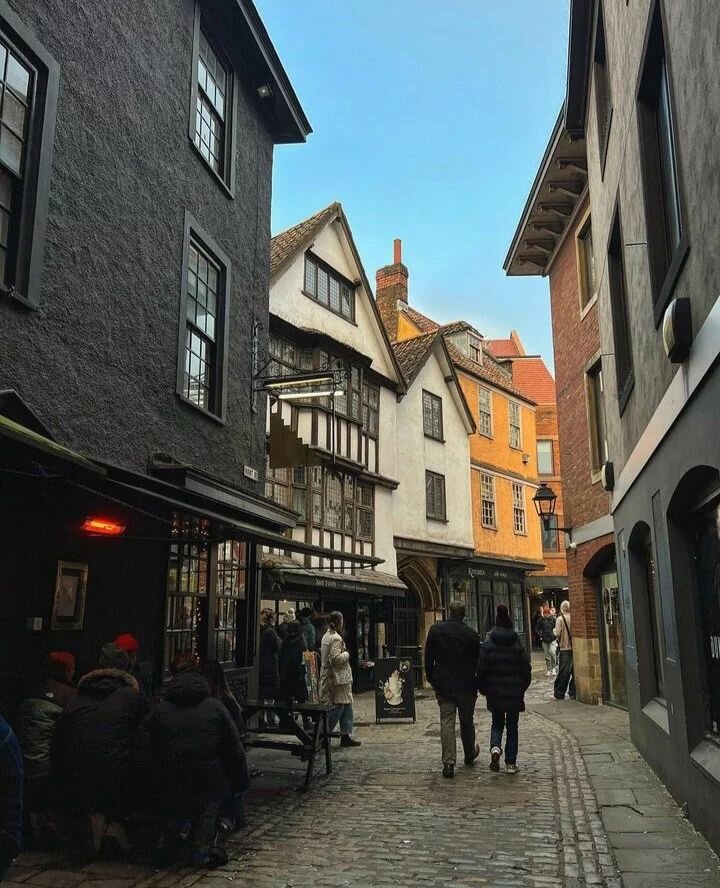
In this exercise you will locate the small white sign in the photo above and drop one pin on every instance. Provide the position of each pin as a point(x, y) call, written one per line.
point(251, 473)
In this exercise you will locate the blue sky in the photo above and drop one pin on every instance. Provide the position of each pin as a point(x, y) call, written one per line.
point(429, 122)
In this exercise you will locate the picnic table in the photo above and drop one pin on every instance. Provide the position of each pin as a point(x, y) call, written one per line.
point(307, 743)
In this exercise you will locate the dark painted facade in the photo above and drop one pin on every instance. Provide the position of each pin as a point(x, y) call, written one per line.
point(94, 308)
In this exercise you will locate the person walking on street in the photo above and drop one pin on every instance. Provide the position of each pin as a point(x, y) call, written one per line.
point(503, 675)
point(336, 679)
point(308, 630)
point(546, 631)
point(451, 654)
point(268, 675)
point(565, 680)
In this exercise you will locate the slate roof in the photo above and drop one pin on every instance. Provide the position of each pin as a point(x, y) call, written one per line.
point(289, 242)
point(532, 376)
point(411, 353)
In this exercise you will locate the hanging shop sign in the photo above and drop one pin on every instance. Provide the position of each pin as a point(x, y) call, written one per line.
point(394, 691)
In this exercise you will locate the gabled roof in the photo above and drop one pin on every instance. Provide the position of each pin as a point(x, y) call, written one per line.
point(287, 244)
point(532, 376)
point(413, 355)
point(506, 348)
point(420, 320)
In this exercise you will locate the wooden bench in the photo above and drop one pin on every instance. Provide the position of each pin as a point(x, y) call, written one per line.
point(307, 743)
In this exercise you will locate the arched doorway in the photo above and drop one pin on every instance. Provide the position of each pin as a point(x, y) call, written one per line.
point(414, 614)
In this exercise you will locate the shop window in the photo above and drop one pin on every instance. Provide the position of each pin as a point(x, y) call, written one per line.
point(596, 416)
point(487, 501)
point(230, 596)
point(28, 89)
point(619, 307)
point(545, 458)
point(648, 614)
point(432, 416)
point(666, 245)
point(187, 600)
point(550, 534)
point(519, 520)
point(601, 77)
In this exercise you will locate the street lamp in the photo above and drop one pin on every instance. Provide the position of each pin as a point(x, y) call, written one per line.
point(544, 500)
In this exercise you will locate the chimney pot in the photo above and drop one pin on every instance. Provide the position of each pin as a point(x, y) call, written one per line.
point(397, 251)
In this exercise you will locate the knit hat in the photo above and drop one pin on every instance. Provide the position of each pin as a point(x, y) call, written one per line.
point(128, 643)
point(502, 617)
point(289, 615)
point(60, 665)
point(113, 657)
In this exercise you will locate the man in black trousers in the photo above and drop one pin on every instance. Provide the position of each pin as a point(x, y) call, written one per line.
point(451, 655)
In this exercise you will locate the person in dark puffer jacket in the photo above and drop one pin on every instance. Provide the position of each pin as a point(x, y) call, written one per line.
point(96, 748)
point(503, 675)
point(198, 757)
point(11, 793)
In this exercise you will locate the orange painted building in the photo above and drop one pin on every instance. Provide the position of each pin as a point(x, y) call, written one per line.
point(531, 375)
point(503, 472)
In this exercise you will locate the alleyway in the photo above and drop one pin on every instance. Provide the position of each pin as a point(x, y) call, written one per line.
point(580, 812)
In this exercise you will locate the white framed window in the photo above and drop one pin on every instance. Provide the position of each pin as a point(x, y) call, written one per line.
point(545, 457)
point(514, 425)
point(485, 425)
point(487, 500)
point(474, 348)
point(519, 522)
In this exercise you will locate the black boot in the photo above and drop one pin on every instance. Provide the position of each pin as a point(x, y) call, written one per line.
point(347, 740)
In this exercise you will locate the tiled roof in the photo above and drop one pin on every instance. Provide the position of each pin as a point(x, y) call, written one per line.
point(285, 244)
point(489, 370)
point(421, 321)
point(532, 376)
point(411, 353)
point(502, 348)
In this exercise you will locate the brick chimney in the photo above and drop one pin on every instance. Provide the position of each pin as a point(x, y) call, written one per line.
point(391, 290)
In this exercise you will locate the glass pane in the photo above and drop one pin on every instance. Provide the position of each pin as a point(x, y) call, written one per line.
point(322, 286)
point(6, 187)
point(667, 163)
point(17, 77)
point(10, 150)
point(13, 114)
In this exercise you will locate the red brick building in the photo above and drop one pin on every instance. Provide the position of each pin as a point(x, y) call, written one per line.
point(554, 239)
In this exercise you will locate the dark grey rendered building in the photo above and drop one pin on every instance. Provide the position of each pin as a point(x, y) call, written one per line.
point(634, 91)
point(136, 150)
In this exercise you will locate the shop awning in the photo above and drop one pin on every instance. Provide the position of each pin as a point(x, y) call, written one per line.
point(371, 583)
point(548, 582)
point(45, 447)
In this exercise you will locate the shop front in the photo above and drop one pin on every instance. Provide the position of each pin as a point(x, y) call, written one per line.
point(612, 644)
point(365, 598)
point(482, 586)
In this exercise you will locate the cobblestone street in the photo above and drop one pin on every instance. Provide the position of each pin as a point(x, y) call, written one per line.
point(387, 817)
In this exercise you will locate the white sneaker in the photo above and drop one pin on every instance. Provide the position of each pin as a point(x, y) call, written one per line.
point(512, 769)
point(549, 672)
point(554, 672)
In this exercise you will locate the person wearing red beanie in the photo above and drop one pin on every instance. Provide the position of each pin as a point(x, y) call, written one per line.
point(128, 643)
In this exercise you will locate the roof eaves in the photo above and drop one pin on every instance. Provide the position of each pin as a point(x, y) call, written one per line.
point(582, 13)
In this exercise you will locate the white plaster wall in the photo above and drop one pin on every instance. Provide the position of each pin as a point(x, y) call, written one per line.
point(288, 302)
point(416, 454)
point(384, 533)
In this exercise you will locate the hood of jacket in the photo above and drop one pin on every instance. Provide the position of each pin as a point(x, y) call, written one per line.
point(188, 688)
point(501, 635)
point(100, 683)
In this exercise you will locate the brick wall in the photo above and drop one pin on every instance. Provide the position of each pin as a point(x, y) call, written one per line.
point(576, 341)
point(391, 287)
point(546, 425)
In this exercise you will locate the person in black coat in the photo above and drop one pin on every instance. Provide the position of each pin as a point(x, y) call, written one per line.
point(451, 654)
point(503, 675)
point(11, 797)
point(198, 759)
point(269, 649)
point(96, 749)
point(546, 631)
point(291, 666)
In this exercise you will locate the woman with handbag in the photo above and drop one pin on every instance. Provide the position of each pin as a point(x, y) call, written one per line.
point(336, 679)
point(565, 675)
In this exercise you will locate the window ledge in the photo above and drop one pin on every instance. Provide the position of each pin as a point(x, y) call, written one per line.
point(605, 145)
point(671, 279)
point(436, 520)
point(493, 527)
point(219, 179)
point(16, 296)
point(706, 757)
point(220, 420)
point(627, 390)
point(490, 437)
point(585, 310)
point(520, 533)
point(433, 438)
point(519, 449)
point(595, 476)
point(656, 711)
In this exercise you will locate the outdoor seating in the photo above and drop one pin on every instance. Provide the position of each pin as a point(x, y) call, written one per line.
point(307, 743)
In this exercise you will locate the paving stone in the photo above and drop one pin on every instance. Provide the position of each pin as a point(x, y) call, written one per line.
point(57, 878)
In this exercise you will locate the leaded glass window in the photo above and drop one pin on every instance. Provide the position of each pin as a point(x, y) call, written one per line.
point(435, 496)
point(329, 288)
point(432, 416)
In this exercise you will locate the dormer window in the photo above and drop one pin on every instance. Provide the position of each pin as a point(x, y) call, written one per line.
point(329, 288)
point(474, 348)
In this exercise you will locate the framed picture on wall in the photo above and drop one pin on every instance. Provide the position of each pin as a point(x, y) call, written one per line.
point(69, 602)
